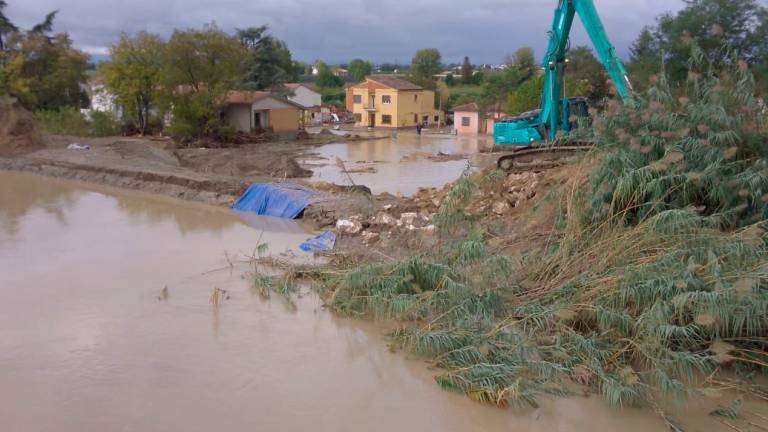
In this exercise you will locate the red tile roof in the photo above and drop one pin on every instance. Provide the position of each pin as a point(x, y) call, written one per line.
point(394, 82)
point(470, 107)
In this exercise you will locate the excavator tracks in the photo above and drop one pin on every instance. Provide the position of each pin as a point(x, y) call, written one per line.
point(540, 158)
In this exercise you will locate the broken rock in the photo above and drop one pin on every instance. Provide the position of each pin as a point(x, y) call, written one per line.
point(349, 226)
point(500, 207)
point(384, 219)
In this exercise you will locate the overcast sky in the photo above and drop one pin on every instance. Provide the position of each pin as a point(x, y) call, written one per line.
point(337, 31)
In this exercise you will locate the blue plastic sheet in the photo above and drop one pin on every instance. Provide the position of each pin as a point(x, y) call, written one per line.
point(283, 200)
point(320, 243)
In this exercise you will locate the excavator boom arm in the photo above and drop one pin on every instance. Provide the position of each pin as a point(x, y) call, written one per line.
point(552, 106)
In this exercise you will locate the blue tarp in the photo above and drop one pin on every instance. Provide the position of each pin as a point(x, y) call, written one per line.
point(320, 243)
point(284, 200)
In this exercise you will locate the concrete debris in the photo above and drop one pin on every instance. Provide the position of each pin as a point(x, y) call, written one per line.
point(349, 226)
point(501, 207)
point(370, 237)
point(384, 219)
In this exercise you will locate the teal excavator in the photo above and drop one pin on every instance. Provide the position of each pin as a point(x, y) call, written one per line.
point(530, 132)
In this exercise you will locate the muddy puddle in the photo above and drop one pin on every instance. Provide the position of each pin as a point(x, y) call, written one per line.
point(88, 342)
point(400, 163)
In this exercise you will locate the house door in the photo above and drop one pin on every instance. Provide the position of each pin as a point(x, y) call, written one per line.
point(372, 120)
point(257, 120)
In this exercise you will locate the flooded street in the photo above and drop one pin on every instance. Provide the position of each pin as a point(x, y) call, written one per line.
point(86, 344)
point(400, 161)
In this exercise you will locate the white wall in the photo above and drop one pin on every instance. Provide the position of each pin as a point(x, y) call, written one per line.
point(239, 117)
point(306, 97)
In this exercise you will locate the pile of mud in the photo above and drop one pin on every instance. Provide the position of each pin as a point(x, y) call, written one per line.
point(19, 130)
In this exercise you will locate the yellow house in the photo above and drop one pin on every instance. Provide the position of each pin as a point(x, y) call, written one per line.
point(391, 102)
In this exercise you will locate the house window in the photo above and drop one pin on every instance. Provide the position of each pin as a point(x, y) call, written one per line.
point(357, 99)
point(386, 119)
point(386, 99)
point(415, 118)
point(437, 118)
point(425, 119)
point(465, 121)
point(358, 118)
point(416, 98)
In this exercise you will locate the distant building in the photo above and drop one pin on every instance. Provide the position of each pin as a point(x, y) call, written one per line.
point(248, 111)
point(341, 72)
point(391, 102)
point(468, 119)
point(303, 95)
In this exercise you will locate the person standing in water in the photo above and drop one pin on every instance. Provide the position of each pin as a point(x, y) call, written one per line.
point(418, 128)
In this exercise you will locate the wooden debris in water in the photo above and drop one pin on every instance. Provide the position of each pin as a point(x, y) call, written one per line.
point(218, 296)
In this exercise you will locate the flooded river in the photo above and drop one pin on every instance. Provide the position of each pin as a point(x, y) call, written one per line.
point(88, 344)
point(400, 161)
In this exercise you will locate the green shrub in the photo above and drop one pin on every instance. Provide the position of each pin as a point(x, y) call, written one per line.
point(103, 124)
point(191, 116)
point(659, 277)
point(65, 121)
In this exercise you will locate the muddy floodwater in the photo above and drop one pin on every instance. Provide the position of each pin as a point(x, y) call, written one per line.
point(399, 163)
point(88, 342)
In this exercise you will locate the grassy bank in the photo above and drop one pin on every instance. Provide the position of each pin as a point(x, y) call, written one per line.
point(652, 281)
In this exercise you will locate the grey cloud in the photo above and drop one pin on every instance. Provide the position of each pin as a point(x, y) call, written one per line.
point(380, 30)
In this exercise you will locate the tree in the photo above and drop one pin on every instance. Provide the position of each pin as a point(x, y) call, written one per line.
point(719, 27)
point(424, 66)
point(449, 80)
point(6, 26)
point(134, 75)
point(466, 72)
point(497, 86)
point(268, 62)
point(200, 66)
point(644, 60)
point(524, 61)
point(528, 96)
point(359, 69)
point(326, 78)
point(43, 71)
point(584, 67)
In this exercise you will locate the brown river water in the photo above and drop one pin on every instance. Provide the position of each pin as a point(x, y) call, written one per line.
point(400, 161)
point(87, 345)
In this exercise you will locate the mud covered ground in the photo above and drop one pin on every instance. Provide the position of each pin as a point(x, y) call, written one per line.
point(214, 176)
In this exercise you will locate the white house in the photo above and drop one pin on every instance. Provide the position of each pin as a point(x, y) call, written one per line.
point(303, 95)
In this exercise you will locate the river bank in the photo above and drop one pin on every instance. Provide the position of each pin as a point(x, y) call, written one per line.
point(125, 334)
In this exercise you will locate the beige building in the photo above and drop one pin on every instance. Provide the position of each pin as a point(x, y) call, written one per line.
point(247, 111)
point(391, 102)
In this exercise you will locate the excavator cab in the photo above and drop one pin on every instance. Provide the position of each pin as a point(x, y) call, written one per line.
point(577, 109)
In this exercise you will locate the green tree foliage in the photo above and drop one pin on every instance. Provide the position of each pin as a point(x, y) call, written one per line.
point(497, 87)
point(645, 59)
point(467, 72)
point(653, 286)
point(424, 66)
point(528, 96)
point(359, 69)
point(326, 78)
point(6, 26)
point(200, 67)
point(524, 62)
point(269, 60)
point(41, 70)
point(450, 81)
point(741, 24)
point(584, 67)
point(134, 75)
